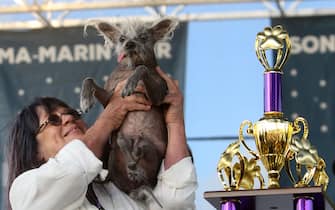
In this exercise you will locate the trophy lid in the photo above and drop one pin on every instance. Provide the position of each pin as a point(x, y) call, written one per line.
point(275, 39)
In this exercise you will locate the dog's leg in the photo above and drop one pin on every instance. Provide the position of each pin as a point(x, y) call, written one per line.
point(133, 80)
point(89, 90)
point(156, 86)
point(125, 145)
point(143, 194)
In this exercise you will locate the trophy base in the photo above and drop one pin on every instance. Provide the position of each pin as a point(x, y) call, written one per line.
point(274, 179)
point(265, 199)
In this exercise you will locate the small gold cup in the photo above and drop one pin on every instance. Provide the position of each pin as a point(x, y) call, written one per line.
point(273, 136)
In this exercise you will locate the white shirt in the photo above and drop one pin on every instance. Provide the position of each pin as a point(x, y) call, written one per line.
point(61, 184)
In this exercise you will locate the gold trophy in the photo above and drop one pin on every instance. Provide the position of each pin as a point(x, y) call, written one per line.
point(276, 138)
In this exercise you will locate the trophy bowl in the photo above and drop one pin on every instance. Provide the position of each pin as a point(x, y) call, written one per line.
point(272, 138)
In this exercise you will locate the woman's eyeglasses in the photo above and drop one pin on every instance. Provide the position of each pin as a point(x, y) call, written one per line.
point(56, 120)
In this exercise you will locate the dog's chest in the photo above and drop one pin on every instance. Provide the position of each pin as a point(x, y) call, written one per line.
point(148, 123)
point(117, 76)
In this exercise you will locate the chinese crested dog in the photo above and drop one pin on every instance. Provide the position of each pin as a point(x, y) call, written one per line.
point(138, 147)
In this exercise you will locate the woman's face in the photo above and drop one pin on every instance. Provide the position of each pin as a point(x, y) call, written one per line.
point(51, 138)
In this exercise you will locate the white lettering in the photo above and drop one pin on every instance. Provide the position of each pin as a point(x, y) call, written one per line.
point(64, 54)
point(296, 47)
point(311, 44)
point(44, 53)
point(92, 52)
point(56, 54)
point(23, 56)
point(163, 50)
point(80, 52)
point(103, 52)
point(7, 54)
point(327, 43)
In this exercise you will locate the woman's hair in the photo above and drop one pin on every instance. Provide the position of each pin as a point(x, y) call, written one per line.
point(22, 144)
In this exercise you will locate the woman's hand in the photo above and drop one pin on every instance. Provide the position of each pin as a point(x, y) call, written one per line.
point(112, 117)
point(177, 148)
point(119, 106)
point(174, 113)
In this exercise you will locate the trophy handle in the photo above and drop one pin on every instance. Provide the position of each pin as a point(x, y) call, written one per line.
point(297, 128)
point(288, 171)
point(241, 138)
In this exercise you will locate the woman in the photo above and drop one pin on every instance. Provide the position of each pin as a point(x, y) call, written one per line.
point(53, 157)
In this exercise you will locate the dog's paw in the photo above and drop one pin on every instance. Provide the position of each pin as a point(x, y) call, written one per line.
point(129, 88)
point(87, 95)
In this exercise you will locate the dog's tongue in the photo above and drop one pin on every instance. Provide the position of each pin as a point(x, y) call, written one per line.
point(121, 57)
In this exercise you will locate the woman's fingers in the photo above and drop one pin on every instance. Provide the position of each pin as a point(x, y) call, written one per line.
point(120, 86)
point(138, 107)
point(173, 85)
point(168, 79)
point(136, 103)
point(161, 73)
point(176, 82)
point(140, 88)
point(138, 99)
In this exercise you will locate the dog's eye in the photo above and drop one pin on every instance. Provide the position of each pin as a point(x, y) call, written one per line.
point(122, 39)
point(143, 37)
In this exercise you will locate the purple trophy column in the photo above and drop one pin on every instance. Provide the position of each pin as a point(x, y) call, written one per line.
point(304, 204)
point(272, 92)
point(228, 205)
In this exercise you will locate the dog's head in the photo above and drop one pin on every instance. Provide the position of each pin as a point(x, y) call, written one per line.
point(133, 41)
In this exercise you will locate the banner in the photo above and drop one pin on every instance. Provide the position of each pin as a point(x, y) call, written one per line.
point(54, 62)
point(309, 83)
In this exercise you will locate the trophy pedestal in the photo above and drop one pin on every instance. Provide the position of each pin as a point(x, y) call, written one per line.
point(270, 199)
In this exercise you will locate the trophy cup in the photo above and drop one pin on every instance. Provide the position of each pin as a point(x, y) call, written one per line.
point(278, 141)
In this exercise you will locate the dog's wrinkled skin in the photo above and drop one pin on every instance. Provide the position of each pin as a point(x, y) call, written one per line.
point(138, 147)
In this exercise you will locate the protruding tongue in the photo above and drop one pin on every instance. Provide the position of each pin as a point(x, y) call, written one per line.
point(121, 57)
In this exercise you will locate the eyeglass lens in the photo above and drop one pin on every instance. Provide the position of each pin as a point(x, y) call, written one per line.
point(56, 120)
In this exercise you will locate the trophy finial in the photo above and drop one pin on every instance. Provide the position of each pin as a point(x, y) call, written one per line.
point(276, 39)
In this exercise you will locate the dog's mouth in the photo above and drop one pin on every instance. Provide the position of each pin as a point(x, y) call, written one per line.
point(121, 57)
point(129, 54)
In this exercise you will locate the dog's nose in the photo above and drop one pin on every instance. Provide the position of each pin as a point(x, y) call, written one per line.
point(130, 45)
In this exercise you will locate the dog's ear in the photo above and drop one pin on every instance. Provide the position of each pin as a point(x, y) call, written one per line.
point(163, 29)
point(109, 31)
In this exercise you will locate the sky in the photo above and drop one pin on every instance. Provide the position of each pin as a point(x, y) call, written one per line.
point(223, 87)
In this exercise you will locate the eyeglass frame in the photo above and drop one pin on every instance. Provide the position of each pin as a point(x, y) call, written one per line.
point(74, 113)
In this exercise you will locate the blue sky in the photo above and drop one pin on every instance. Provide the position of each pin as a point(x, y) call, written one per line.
point(224, 86)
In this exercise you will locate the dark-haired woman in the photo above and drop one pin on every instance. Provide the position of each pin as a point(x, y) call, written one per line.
point(53, 157)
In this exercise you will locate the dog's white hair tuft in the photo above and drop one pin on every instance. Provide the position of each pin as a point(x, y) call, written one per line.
point(174, 24)
point(95, 23)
